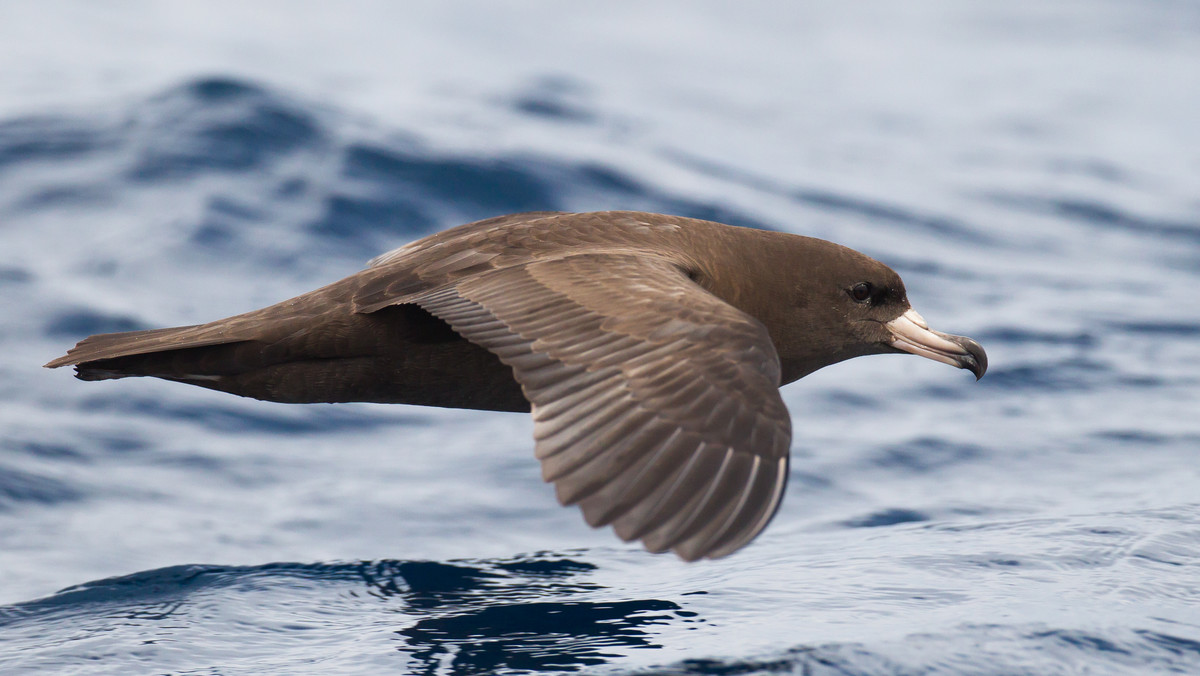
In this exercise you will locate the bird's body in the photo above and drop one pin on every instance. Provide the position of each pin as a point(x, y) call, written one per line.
point(649, 348)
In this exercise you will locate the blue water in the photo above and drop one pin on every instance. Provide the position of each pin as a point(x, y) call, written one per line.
point(1032, 170)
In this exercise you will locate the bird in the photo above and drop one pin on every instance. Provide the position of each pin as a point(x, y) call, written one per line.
point(649, 349)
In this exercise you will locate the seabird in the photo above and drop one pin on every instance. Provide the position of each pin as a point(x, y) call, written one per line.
point(649, 348)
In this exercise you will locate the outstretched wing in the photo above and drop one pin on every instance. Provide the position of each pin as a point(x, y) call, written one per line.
point(656, 404)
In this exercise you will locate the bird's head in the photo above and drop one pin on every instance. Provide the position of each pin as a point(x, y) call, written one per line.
point(843, 304)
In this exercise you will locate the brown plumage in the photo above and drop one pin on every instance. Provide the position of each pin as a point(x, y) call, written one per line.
point(649, 348)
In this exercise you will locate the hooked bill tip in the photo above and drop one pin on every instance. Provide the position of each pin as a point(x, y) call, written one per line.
point(975, 360)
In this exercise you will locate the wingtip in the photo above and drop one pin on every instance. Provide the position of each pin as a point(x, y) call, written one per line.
point(688, 556)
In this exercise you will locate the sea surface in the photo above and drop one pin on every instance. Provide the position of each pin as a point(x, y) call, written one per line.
point(1031, 169)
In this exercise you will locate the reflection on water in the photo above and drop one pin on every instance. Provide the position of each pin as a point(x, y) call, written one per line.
point(535, 613)
point(478, 618)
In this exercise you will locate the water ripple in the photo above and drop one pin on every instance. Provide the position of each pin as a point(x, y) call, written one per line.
point(535, 613)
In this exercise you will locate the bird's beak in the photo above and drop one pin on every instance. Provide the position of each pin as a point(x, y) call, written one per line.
point(911, 334)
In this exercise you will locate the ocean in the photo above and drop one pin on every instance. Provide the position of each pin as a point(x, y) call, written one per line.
point(1031, 169)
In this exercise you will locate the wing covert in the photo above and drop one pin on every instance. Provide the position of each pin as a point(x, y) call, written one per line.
point(656, 404)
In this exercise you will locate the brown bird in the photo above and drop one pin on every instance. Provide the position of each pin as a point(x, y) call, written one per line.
point(649, 348)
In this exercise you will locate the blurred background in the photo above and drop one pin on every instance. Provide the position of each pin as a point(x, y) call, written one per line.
point(1031, 169)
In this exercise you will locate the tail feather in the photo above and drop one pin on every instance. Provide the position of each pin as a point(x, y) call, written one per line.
point(305, 353)
point(130, 343)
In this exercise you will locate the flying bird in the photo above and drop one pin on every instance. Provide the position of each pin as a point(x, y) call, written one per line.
point(649, 348)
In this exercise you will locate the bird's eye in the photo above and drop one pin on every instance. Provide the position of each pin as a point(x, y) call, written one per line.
point(861, 292)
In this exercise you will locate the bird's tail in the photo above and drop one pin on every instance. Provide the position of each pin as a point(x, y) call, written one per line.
point(155, 352)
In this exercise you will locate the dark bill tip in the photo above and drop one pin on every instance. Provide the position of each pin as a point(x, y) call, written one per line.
point(975, 360)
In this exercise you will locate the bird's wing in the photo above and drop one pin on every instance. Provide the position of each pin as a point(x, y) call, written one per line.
point(656, 405)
